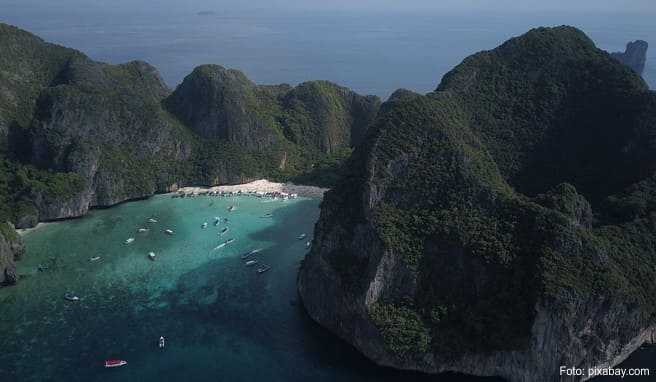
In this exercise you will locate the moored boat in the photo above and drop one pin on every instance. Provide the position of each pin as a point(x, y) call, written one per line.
point(168, 232)
point(151, 256)
point(129, 240)
point(251, 263)
point(95, 258)
point(115, 363)
point(251, 253)
point(70, 296)
point(301, 236)
point(263, 269)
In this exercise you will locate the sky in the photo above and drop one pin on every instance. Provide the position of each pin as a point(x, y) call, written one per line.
point(370, 5)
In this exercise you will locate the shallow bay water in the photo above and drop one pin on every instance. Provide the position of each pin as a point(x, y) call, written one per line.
point(222, 320)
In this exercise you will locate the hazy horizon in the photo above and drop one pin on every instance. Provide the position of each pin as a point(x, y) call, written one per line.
point(368, 5)
point(370, 49)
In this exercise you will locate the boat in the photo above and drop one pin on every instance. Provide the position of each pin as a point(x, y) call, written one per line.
point(161, 342)
point(223, 231)
point(251, 253)
point(142, 230)
point(220, 246)
point(263, 269)
point(217, 221)
point(251, 262)
point(301, 236)
point(308, 244)
point(151, 220)
point(231, 208)
point(229, 241)
point(267, 215)
point(151, 255)
point(95, 258)
point(204, 225)
point(129, 240)
point(168, 232)
point(70, 296)
point(225, 220)
point(115, 363)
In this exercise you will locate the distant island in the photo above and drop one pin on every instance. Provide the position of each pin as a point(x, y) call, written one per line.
point(634, 56)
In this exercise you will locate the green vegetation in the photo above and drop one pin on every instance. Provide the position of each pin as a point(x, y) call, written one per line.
point(525, 178)
point(68, 123)
point(403, 330)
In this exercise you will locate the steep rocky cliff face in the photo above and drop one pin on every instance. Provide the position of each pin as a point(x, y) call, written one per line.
point(634, 56)
point(501, 225)
point(11, 248)
point(319, 116)
point(76, 134)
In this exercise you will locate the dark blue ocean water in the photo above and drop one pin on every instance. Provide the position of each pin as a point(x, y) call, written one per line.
point(371, 52)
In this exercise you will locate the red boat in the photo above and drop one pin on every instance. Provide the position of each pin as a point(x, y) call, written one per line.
point(115, 363)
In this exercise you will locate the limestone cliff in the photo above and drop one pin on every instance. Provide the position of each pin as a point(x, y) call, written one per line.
point(634, 56)
point(76, 134)
point(501, 225)
point(11, 248)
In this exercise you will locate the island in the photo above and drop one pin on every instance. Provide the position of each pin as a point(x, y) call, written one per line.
point(502, 225)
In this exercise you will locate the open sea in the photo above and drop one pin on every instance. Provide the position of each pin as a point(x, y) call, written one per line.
point(370, 52)
point(223, 321)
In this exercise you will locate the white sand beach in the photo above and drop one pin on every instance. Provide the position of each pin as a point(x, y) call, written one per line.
point(262, 185)
point(25, 231)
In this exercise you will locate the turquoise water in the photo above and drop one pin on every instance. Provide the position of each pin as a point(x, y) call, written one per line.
point(223, 321)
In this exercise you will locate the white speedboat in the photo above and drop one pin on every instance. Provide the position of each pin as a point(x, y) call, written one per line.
point(230, 241)
point(231, 208)
point(223, 231)
point(129, 240)
point(204, 225)
point(151, 220)
point(151, 256)
point(301, 236)
point(263, 269)
point(95, 258)
point(220, 246)
point(308, 244)
point(142, 230)
point(250, 263)
point(161, 342)
point(251, 253)
point(168, 232)
point(70, 296)
point(115, 363)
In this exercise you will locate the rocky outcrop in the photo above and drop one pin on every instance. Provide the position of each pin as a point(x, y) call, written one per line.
point(221, 103)
point(11, 248)
point(79, 134)
point(635, 55)
point(501, 225)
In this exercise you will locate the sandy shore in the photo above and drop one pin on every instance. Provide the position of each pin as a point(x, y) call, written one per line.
point(263, 185)
point(25, 231)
